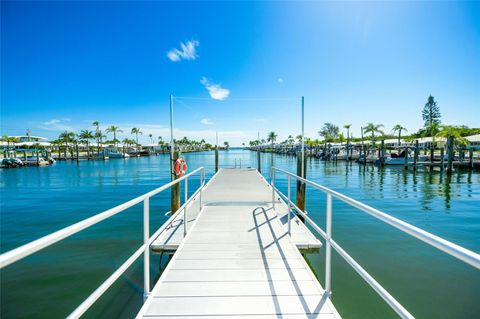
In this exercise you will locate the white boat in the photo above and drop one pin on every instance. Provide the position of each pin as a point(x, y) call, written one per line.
point(113, 153)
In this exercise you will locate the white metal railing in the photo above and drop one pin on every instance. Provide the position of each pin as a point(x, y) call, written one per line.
point(450, 248)
point(21, 252)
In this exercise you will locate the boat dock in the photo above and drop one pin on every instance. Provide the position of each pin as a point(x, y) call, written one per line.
point(237, 258)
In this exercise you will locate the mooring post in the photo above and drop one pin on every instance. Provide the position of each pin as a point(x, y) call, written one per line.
point(38, 158)
point(432, 153)
point(450, 154)
point(442, 155)
point(415, 156)
point(175, 190)
point(77, 152)
point(470, 158)
point(405, 159)
point(259, 162)
point(175, 195)
point(300, 198)
point(382, 153)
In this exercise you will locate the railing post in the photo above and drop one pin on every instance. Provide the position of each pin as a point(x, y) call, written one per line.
point(146, 253)
point(328, 251)
point(273, 187)
point(202, 179)
point(185, 208)
point(289, 206)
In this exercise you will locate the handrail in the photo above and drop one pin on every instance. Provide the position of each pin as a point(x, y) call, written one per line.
point(450, 248)
point(21, 252)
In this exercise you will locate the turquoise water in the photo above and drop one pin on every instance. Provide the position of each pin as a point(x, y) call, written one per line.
point(38, 200)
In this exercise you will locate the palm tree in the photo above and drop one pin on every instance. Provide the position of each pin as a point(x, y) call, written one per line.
point(398, 128)
point(114, 129)
point(447, 131)
point(151, 137)
point(99, 136)
point(67, 137)
point(136, 131)
point(272, 137)
point(226, 144)
point(96, 124)
point(86, 136)
point(373, 128)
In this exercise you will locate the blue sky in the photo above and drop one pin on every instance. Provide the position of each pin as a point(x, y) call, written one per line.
point(66, 64)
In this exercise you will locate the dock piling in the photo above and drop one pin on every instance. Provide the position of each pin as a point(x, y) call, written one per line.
point(442, 155)
point(300, 198)
point(450, 154)
point(175, 195)
point(470, 158)
point(415, 156)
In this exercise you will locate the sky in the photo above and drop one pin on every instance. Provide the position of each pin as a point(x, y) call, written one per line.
point(239, 68)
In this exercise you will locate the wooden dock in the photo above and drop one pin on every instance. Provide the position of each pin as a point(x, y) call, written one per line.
point(237, 259)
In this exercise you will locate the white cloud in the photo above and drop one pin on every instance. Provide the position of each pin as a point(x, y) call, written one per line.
point(57, 125)
point(206, 121)
point(187, 51)
point(215, 90)
point(280, 80)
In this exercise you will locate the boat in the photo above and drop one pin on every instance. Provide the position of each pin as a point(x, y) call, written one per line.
point(11, 162)
point(113, 153)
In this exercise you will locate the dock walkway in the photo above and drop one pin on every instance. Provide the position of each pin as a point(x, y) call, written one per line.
point(237, 259)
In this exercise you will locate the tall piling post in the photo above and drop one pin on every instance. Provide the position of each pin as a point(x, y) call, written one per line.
point(175, 189)
point(405, 159)
point(470, 158)
point(77, 152)
point(442, 155)
point(415, 156)
point(450, 154)
point(382, 153)
point(301, 187)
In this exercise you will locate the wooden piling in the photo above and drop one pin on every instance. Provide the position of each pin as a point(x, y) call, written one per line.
point(175, 189)
point(76, 150)
point(405, 159)
point(301, 187)
point(470, 158)
point(442, 155)
point(450, 154)
point(259, 167)
point(382, 153)
point(38, 158)
point(415, 156)
point(216, 159)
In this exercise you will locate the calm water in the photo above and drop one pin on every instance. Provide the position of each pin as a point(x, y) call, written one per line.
point(38, 200)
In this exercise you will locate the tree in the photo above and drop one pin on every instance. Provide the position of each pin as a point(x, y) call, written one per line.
point(398, 128)
point(151, 137)
point(66, 138)
point(455, 131)
point(99, 136)
point(136, 131)
point(431, 114)
point(329, 131)
point(226, 144)
point(86, 136)
point(96, 124)
point(114, 129)
point(373, 128)
point(272, 137)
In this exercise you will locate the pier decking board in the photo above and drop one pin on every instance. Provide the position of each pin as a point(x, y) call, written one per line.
point(237, 260)
point(171, 238)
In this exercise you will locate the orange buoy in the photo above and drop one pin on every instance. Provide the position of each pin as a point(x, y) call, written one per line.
point(180, 167)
